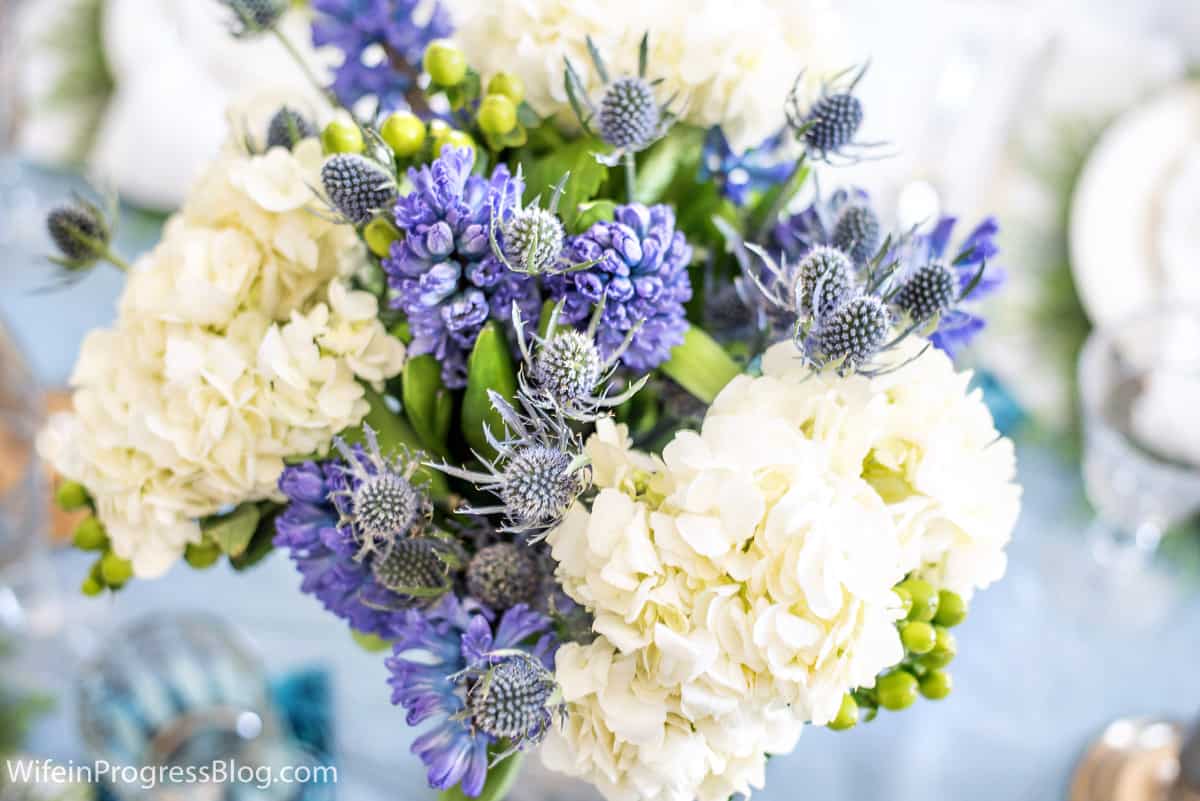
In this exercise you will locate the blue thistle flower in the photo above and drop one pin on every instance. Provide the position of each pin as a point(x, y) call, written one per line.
point(357, 186)
point(353, 527)
point(444, 668)
point(845, 220)
point(253, 17)
point(444, 274)
point(503, 575)
point(828, 127)
point(640, 274)
point(739, 175)
point(957, 326)
point(539, 471)
point(357, 27)
point(287, 127)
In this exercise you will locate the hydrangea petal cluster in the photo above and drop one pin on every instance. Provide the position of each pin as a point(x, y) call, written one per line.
point(327, 551)
point(236, 346)
point(960, 326)
point(744, 583)
point(443, 273)
point(381, 42)
point(733, 70)
point(641, 276)
point(435, 645)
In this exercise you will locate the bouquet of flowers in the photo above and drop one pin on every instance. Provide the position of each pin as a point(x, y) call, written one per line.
point(519, 352)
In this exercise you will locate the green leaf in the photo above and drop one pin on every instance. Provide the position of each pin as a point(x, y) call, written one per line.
point(590, 213)
point(394, 432)
point(500, 779)
point(263, 541)
point(700, 365)
point(490, 367)
point(658, 167)
point(232, 532)
point(423, 394)
point(577, 158)
point(544, 321)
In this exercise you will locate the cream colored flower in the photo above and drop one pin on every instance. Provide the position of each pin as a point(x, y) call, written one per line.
point(732, 69)
point(237, 346)
point(747, 577)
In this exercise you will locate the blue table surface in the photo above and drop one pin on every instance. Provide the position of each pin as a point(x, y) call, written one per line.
point(1047, 657)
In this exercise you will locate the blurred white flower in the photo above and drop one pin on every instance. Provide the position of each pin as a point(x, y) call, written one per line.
point(748, 576)
point(733, 67)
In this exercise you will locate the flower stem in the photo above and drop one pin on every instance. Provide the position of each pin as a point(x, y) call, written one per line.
point(630, 176)
point(115, 260)
point(787, 191)
point(304, 65)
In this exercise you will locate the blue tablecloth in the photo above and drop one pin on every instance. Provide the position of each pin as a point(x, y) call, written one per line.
point(1047, 657)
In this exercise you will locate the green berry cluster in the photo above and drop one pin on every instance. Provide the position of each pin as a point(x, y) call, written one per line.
point(929, 647)
point(496, 112)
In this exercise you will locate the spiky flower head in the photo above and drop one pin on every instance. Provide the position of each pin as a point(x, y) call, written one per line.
point(380, 502)
point(855, 332)
point(828, 127)
point(533, 240)
point(566, 372)
point(629, 116)
point(287, 127)
point(539, 471)
point(419, 568)
point(357, 186)
point(503, 575)
point(826, 277)
point(514, 699)
point(857, 232)
point(80, 232)
point(253, 17)
point(930, 291)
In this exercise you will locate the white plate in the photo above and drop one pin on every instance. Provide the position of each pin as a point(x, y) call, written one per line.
point(1120, 222)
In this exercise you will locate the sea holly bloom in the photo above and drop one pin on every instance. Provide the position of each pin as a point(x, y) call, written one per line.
point(828, 127)
point(639, 274)
point(443, 273)
point(968, 263)
point(446, 667)
point(354, 528)
point(381, 43)
point(845, 220)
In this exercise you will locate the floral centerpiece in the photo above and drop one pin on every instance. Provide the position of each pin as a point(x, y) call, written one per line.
point(521, 352)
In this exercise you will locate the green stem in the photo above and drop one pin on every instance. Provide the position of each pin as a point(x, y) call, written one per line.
point(789, 189)
point(630, 176)
point(304, 65)
point(115, 260)
point(700, 365)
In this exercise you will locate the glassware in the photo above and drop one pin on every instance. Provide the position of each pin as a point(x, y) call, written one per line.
point(185, 693)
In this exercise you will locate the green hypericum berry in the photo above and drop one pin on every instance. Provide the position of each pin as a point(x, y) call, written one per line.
point(404, 133)
point(507, 84)
point(936, 685)
point(438, 129)
point(89, 535)
point(114, 570)
point(91, 587)
point(453, 139)
point(924, 599)
point(944, 649)
point(445, 63)
point(71, 495)
point(497, 115)
point(952, 609)
point(202, 555)
point(342, 136)
point(380, 234)
point(918, 637)
point(896, 690)
point(847, 716)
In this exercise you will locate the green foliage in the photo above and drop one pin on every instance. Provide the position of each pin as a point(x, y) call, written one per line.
point(232, 532)
point(19, 710)
point(490, 367)
point(428, 403)
point(85, 83)
point(544, 170)
point(700, 365)
point(500, 780)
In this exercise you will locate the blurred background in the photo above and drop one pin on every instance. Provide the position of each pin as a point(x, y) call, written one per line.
point(1076, 123)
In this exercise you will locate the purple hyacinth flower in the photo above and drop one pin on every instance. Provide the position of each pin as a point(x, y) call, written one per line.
point(359, 27)
point(642, 276)
point(443, 274)
point(435, 646)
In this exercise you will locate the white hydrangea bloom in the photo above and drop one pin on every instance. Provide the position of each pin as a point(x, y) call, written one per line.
point(733, 70)
point(747, 577)
point(237, 346)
